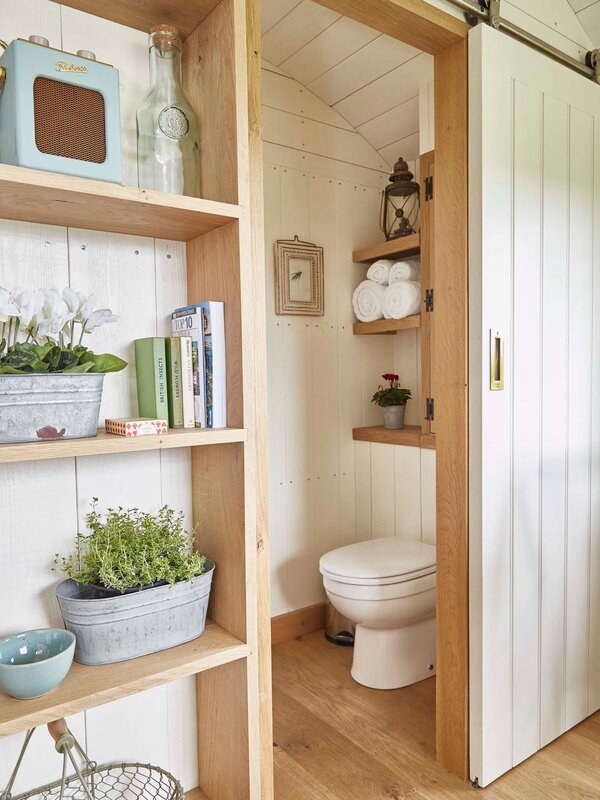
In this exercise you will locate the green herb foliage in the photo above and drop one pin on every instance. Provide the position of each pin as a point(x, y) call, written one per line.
point(130, 549)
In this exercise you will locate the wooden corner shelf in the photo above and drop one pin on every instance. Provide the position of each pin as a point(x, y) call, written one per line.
point(87, 687)
point(186, 15)
point(387, 325)
point(107, 443)
point(410, 436)
point(395, 248)
point(30, 195)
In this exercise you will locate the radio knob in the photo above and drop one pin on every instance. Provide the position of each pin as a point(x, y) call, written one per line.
point(87, 54)
point(39, 40)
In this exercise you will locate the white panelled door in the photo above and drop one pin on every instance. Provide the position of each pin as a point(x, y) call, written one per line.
point(535, 443)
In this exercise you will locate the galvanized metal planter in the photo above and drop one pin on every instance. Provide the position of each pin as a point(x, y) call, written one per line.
point(36, 407)
point(110, 629)
point(393, 417)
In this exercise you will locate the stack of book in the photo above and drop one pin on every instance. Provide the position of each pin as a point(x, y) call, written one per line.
point(182, 378)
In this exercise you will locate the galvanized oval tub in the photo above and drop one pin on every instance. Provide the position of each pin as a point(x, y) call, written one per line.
point(110, 629)
point(37, 408)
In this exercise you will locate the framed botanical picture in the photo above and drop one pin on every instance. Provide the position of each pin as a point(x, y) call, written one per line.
point(298, 278)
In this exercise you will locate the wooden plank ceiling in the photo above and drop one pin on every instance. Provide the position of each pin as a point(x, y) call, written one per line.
point(371, 80)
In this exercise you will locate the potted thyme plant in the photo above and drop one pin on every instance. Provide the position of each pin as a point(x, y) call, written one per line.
point(392, 400)
point(135, 585)
point(50, 382)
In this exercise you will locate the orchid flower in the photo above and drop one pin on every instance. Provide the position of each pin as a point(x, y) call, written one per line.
point(73, 300)
point(29, 303)
point(8, 308)
point(53, 318)
point(100, 317)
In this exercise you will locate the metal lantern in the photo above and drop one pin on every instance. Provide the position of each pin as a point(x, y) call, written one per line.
point(399, 203)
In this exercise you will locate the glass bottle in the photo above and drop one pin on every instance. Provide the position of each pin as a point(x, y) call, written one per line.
point(167, 125)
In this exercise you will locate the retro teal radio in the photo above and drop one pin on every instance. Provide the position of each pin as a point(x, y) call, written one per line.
point(59, 112)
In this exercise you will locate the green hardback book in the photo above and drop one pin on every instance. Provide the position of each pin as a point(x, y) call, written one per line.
point(151, 376)
point(174, 386)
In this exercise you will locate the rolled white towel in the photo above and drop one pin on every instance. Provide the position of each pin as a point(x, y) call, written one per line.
point(368, 301)
point(401, 299)
point(409, 270)
point(379, 271)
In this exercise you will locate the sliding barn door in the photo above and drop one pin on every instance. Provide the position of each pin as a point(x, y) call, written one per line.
point(534, 401)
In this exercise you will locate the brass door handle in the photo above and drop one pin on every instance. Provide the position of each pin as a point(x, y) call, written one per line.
point(496, 361)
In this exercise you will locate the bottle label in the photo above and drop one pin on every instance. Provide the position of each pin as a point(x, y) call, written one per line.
point(173, 122)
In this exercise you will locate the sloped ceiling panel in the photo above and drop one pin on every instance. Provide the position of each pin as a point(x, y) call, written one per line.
point(588, 14)
point(371, 80)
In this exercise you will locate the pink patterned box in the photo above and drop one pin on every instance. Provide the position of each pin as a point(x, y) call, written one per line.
point(136, 426)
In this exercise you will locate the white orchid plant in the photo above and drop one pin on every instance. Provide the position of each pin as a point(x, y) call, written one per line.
point(42, 330)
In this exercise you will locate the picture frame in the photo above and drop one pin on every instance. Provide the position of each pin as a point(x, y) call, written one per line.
point(299, 278)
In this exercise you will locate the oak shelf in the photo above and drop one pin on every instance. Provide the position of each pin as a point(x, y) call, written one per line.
point(31, 195)
point(196, 794)
point(87, 687)
point(409, 436)
point(387, 325)
point(395, 248)
point(107, 443)
point(186, 15)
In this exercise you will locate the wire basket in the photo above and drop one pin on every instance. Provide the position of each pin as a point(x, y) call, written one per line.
point(126, 781)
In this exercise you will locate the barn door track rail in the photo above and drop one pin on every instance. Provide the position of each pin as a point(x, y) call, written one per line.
point(488, 11)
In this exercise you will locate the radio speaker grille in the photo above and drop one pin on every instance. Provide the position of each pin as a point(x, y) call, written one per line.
point(69, 120)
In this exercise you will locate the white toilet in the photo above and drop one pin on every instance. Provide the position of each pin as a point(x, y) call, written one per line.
point(387, 588)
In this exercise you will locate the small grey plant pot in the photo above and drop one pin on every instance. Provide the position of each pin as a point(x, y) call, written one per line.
point(393, 417)
point(37, 408)
point(116, 628)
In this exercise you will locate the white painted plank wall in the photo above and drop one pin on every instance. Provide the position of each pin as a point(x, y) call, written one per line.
point(325, 489)
point(43, 504)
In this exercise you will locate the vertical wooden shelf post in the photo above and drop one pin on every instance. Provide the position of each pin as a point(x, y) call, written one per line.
point(228, 483)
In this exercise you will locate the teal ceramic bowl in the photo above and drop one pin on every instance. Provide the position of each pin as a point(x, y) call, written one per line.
point(33, 663)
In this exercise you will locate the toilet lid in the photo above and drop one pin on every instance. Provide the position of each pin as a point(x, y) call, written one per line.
point(380, 560)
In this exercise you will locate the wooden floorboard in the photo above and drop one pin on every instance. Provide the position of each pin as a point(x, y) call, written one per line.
point(336, 740)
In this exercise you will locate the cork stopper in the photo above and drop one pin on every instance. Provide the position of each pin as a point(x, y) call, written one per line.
point(165, 37)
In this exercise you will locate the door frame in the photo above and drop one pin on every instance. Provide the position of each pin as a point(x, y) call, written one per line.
point(417, 23)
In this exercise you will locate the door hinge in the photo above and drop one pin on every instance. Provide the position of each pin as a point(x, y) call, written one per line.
point(429, 188)
point(430, 409)
point(428, 299)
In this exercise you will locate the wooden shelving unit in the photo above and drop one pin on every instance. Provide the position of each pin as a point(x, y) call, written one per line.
point(186, 15)
point(29, 195)
point(107, 443)
point(387, 325)
point(196, 794)
point(87, 687)
point(410, 436)
point(395, 248)
point(224, 235)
